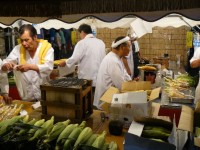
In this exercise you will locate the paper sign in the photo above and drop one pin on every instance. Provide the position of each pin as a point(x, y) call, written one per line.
point(141, 27)
point(189, 39)
point(136, 128)
point(186, 119)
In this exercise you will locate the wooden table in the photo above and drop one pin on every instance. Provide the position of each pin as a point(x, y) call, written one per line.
point(98, 127)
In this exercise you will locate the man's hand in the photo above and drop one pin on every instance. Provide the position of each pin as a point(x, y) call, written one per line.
point(62, 64)
point(7, 99)
point(136, 78)
point(8, 67)
point(24, 68)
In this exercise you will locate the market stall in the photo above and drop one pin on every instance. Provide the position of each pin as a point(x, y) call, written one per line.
point(108, 15)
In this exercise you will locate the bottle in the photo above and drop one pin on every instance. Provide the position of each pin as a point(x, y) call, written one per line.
point(158, 80)
point(196, 40)
point(164, 98)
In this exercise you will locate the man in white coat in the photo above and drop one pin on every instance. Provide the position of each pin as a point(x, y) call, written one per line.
point(131, 61)
point(112, 71)
point(32, 63)
point(88, 54)
point(195, 63)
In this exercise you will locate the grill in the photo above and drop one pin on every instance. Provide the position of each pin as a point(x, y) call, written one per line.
point(67, 98)
point(69, 82)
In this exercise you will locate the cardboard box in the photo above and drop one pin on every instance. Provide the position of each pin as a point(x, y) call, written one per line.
point(134, 91)
point(179, 133)
point(130, 102)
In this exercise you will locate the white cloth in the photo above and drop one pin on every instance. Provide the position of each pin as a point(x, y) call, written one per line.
point(31, 79)
point(88, 53)
point(130, 57)
point(114, 45)
point(196, 56)
point(4, 86)
point(111, 73)
point(130, 61)
point(137, 48)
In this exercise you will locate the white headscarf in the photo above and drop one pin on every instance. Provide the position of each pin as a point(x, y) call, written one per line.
point(114, 45)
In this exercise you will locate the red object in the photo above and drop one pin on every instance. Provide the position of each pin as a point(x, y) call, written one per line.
point(13, 92)
point(171, 112)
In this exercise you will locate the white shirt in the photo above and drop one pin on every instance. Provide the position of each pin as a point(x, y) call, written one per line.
point(196, 56)
point(88, 53)
point(130, 61)
point(4, 86)
point(111, 73)
point(31, 79)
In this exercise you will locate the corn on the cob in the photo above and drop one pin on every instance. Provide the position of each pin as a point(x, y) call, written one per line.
point(57, 129)
point(3, 109)
point(100, 140)
point(73, 136)
point(25, 119)
point(84, 136)
point(22, 131)
point(8, 122)
point(3, 115)
point(113, 146)
point(105, 146)
point(43, 129)
point(17, 111)
point(66, 132)
point(38, 123)
point(91, 140)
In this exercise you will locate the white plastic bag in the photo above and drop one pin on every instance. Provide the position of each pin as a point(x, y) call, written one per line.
point(20, 83)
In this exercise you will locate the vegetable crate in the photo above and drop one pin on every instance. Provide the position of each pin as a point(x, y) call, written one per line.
point(67, 102)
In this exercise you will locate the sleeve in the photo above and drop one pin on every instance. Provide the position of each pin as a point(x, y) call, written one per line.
point(77, 54)
point(13, 56)
point(118, 76)
point(196, 55)
point(46, 68)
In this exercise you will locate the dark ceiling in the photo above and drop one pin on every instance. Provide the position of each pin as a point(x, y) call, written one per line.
point(71, 11)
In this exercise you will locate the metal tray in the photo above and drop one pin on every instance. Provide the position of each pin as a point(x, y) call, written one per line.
point(182, 100)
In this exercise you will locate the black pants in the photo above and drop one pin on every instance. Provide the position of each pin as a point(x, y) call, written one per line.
point(136, 60)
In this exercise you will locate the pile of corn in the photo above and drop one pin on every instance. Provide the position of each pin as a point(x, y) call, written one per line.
point(9, 111)
point(22, 133)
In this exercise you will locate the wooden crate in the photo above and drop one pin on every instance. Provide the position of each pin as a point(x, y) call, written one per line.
point(74, 103)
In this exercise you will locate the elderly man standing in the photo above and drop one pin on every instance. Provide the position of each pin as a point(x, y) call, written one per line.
point(88, 54)
point(112, 71)
point(31, 61)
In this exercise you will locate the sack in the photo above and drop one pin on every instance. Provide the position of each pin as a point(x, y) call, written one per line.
point(20, 83)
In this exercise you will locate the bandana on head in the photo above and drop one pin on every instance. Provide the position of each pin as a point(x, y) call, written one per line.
point(114, 45)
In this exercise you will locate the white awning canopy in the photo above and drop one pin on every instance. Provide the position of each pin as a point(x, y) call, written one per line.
point(173, 20)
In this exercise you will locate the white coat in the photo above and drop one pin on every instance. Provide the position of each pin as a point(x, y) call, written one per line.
point(111, 73)
point(88, 54)
point(196, 56)
point(31, 80)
